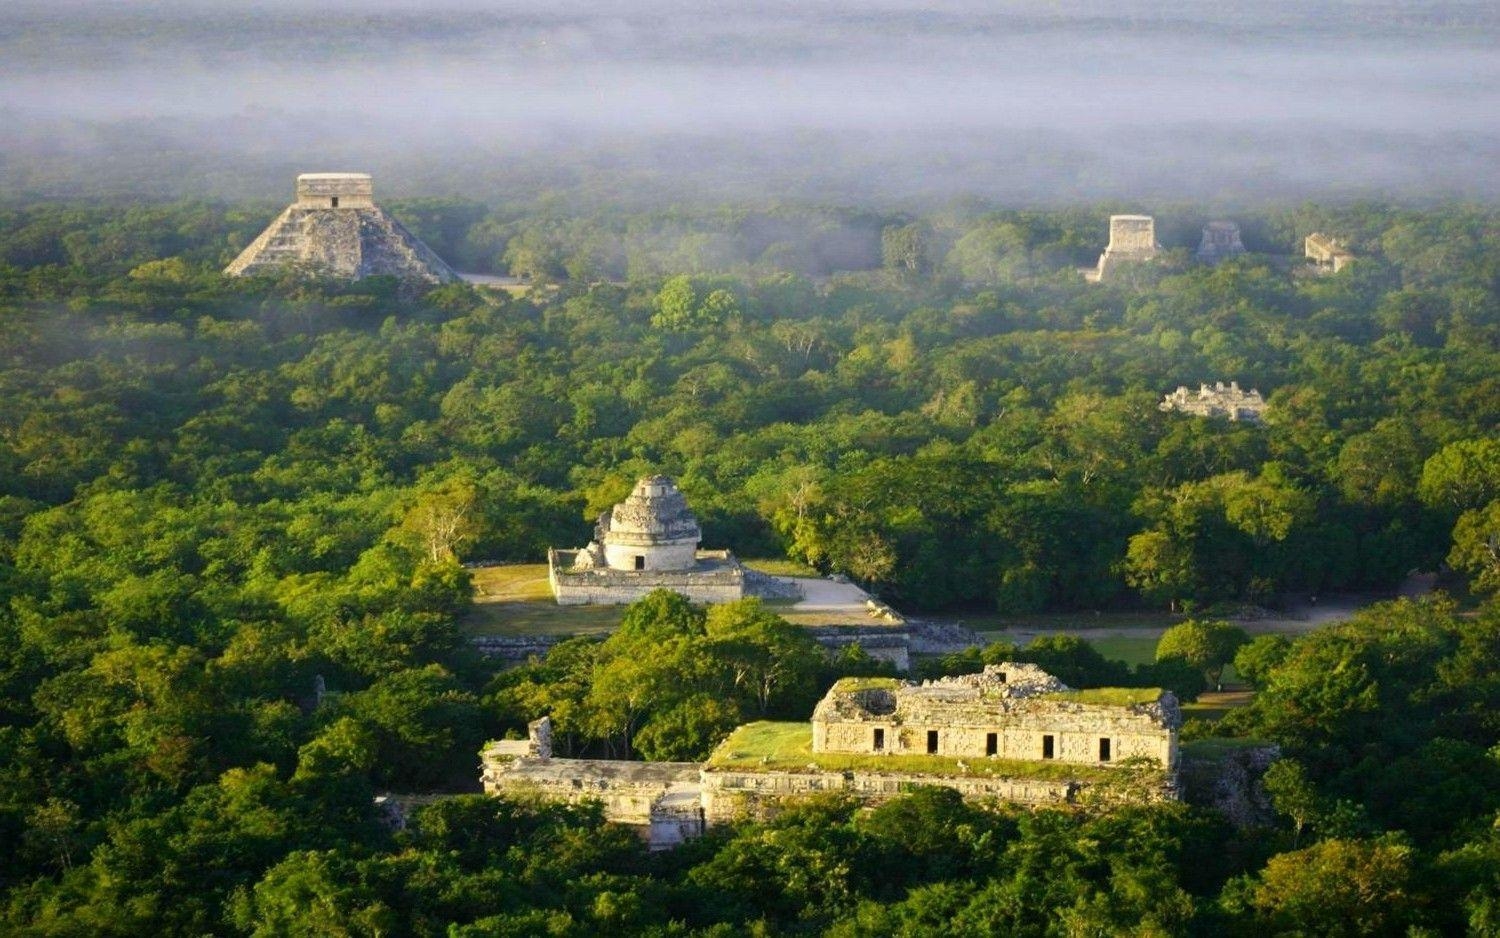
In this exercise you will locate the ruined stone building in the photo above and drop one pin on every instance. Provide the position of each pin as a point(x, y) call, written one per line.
point(649, 541)
point(1326, 253)
point(1012, 733)
point(1132, 240)
point(1010, 711)
point(1221, 240)
point(335, 229)
point(1229, 403)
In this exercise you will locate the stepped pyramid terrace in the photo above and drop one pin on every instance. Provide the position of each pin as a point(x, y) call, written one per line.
point(335, 229)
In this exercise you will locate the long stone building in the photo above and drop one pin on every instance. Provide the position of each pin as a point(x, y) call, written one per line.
point(1013, 733)
point(334, 229)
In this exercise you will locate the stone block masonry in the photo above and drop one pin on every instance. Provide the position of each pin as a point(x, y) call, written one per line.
point(334, 229)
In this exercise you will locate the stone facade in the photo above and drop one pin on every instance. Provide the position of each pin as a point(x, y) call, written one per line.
point(1010, 711)
point(1221, 240)
point(1327, 253)
point(1132, 240)
point(647, 542)
point(334, 229)
point(1229, 403)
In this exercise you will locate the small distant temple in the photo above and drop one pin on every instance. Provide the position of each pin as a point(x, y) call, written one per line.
point(647, 542)
point(1327, 254)
point(1221, 241)
point(1013, 733)
point(334, 229)
point(1217, 400)
point(1132, 240)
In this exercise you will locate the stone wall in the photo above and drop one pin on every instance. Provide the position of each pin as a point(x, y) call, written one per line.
point(661, 800)
point(1076, 737)
point(730, 796)
point(1132, 235)
point(717, 578)
point(352, 190)
point(515, 648)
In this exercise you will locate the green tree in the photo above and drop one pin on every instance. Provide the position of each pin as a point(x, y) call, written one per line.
point(1206, 645)
point(1337, 888)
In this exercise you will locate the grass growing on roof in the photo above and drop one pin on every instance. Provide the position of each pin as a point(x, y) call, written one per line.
point(787, 747)
point(1108, 696)
point(849, 685)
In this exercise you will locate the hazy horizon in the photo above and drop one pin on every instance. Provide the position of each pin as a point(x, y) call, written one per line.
point(1027, 103)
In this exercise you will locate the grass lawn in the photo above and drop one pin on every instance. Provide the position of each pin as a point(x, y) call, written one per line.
point(988, 622)
point(787, 747)
point(1217, 747)
point(512, 583)
point(516, 599)
point(1130, 649)
point(540, 618)
point(780, 566)
point(1213, 705)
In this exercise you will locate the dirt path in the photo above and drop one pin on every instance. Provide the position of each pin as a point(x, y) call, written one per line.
point(1297, 619)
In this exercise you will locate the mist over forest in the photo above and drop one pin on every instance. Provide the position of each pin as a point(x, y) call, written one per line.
point(1035, 103)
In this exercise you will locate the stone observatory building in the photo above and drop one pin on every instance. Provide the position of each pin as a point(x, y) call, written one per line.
point(647, 542)
point(335, 229)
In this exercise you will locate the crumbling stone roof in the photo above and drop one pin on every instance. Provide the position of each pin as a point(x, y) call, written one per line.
point(655, 512)
point(998, 692)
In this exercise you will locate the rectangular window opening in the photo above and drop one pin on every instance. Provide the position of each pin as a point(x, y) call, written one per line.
point(1104, 752)
point(640, 562)
point(991, 743)
point(932, 742)
point(880, 740)
point(1049, 746)
point(334, 200)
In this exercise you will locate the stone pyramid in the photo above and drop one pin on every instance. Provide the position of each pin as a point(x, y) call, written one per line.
point(335, 229)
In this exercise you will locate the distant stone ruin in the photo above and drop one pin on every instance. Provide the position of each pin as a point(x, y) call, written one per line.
point(1132, 240)
point(1217, 401)
point(647, 542)
point(1221, 241)
point(334, 229)
point(1012, 733)
point(1328, 254)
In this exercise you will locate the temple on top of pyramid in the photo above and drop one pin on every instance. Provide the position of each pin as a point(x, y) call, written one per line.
point(335, 229)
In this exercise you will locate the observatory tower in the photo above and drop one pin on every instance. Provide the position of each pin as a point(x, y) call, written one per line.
point(335, 229)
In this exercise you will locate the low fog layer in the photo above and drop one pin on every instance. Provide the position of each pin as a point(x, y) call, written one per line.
point(1030, 102)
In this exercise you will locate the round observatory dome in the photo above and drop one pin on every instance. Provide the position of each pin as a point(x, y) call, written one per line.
point(651, 530)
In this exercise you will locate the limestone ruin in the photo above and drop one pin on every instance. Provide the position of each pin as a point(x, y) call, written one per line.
point(1013, 733)
point(1328, 254)
point(647, 542)
point(1132, 240)
point(1221, 241)
point(335, 229)
point(1217, 401)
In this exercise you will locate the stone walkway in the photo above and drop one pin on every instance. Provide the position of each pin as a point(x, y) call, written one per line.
point(821, 595)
